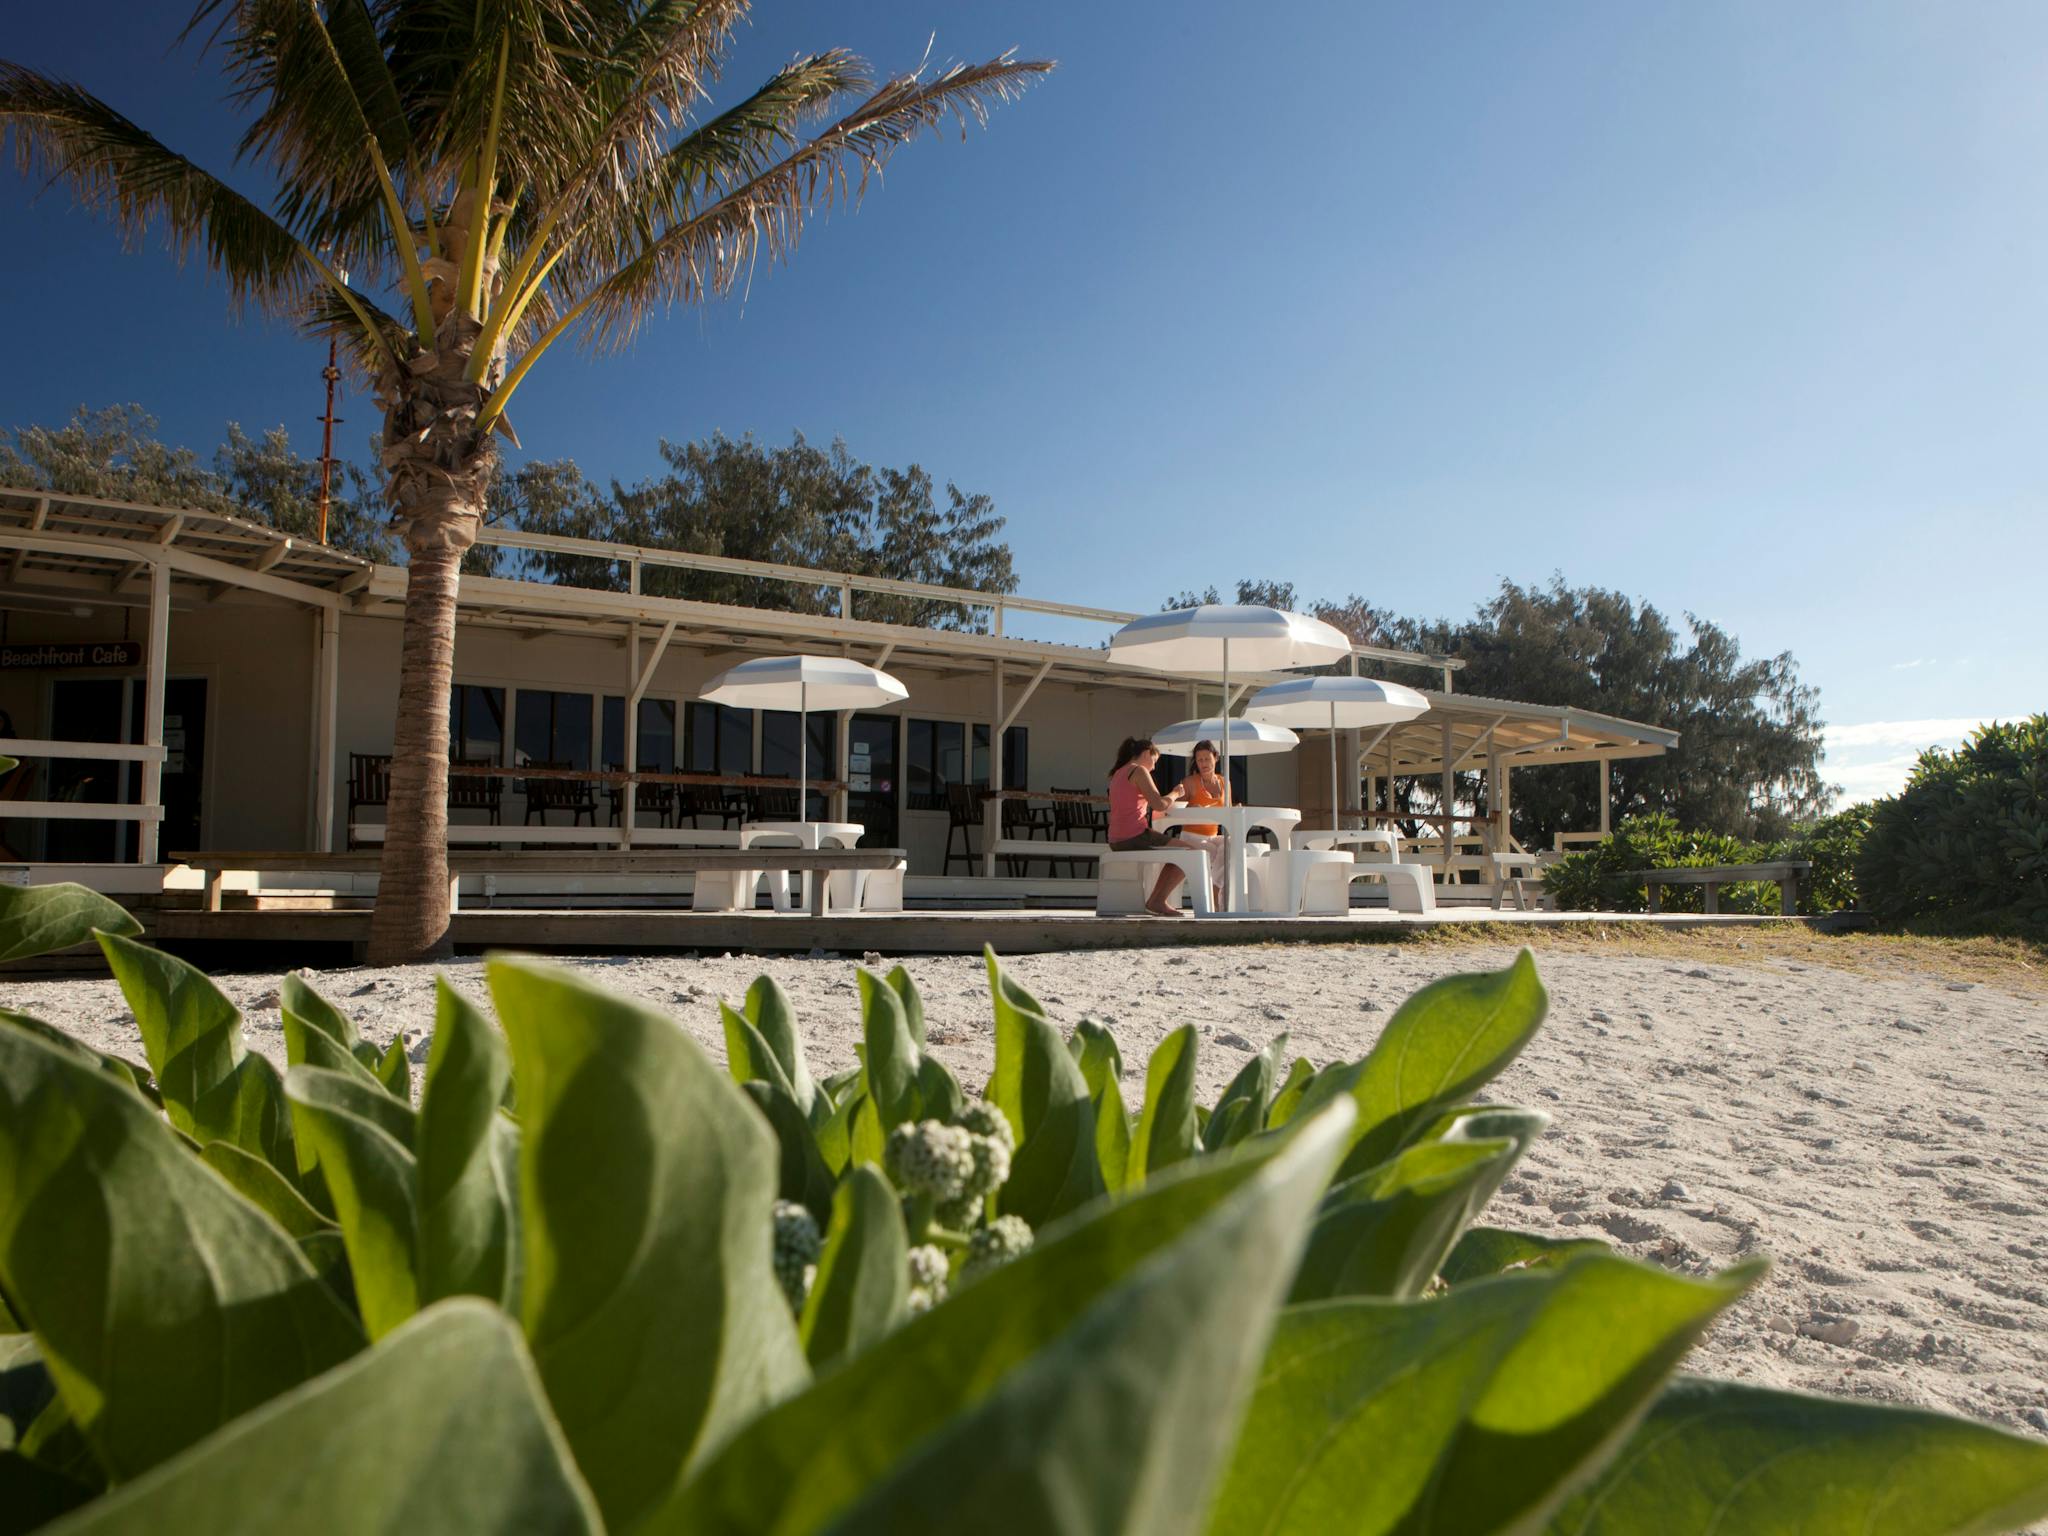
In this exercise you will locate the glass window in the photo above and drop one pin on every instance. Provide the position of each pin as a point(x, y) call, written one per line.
point(657, 745)
point(476, 722)
point(720, 739)
point(551, 728)
point(935, 756)
point(779, 755)
point(1016, 757)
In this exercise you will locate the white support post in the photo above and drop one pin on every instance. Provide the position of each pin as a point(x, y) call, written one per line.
point(327, 708)
point(1605, 796)
point(631, 788)
point(153, 704)
point(842, 810)
point(1446, 794)
point(637, 679)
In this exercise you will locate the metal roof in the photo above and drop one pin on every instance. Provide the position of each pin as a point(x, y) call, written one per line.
point(67, 543)
point(66, 529)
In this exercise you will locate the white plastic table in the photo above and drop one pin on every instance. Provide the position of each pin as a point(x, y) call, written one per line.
point(799, 834)
point(1237, 820)
point(1358, 837)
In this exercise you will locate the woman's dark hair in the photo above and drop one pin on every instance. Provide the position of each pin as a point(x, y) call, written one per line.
point(1204, 746)
point(1128, 752)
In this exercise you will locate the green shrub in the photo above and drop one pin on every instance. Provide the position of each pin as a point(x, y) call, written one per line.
point(1606, 877)
point(1967, 838)
point(590, 1281)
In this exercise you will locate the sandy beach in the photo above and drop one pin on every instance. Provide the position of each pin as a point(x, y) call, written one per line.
point(1877, 1131)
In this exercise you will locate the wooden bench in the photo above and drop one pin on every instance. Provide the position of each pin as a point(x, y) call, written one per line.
point(709, 861)
point(1786, 875)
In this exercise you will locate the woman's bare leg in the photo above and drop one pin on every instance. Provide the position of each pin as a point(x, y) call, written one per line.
point(1169, 882)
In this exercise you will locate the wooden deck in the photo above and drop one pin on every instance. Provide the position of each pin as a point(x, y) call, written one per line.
point(1009, 932)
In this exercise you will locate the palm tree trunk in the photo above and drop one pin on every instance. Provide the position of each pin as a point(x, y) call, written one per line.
point(411, 917)
point(439, 469)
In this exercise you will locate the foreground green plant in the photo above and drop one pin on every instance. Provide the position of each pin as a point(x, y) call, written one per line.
point(586, 1281)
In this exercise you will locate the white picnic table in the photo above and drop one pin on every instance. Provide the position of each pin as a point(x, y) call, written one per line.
point(813, 835)
point(1314, 838)
point(1237, 821)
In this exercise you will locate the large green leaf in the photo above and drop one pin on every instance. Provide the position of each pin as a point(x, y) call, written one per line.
point(1287, 1099)
point(297, 996)
point(1470, 1414)
point(774, 1019)
point(892, 1054)
point(646, 1183)
point(1483, 1252)
point(1739, 1460)
point(375, 1186)
point(165, 1304)
point(190, 1031)
point(1384, 1232)
point(41, 919)
point(440, 1427)
point(394, 1071)
point(863, 1274)
point(801, 1172)
point(468, 1210)
point(307, 1043)
point(1166, 1125)
point(1112, 1136)
point(1095, 1049)
point(265, 1188)
point(938, 1091)
point(1091, 1385)
point(1040, 1089)
point(1439, 1048)
point(128, 1073)
point(913, 1004)
point(748, 1055)
point(1030, 1082)
point(1242, 1108)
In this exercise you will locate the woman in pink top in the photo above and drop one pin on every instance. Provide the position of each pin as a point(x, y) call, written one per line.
point(1133, 800)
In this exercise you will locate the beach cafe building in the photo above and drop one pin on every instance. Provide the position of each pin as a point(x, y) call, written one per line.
point(179, 681)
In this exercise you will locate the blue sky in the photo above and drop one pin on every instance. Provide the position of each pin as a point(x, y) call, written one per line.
point(1739, 308)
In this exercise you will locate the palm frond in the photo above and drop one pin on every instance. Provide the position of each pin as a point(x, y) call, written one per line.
point(115, 168)
point(706, 251)
point(739, 144)
point(368, 346)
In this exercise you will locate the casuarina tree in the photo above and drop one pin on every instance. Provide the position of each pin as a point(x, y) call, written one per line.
point(507, 172)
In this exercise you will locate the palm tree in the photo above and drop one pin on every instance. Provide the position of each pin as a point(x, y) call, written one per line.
point(511, 171)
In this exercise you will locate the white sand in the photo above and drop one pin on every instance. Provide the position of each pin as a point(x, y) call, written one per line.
point(1880, 1138)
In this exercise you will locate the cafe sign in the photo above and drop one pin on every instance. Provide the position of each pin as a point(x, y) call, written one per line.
point(86, 653)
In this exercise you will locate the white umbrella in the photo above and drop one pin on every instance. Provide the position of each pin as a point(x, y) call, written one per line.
point(1211, 637)
point(804, 683)
point(1343, 703)
point(1247, 738)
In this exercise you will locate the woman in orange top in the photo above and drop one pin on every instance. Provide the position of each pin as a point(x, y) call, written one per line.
point(1205, 786)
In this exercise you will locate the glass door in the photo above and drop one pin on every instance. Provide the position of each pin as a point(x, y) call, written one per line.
point(871, 752)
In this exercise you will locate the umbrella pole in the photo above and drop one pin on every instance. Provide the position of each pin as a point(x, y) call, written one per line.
point(1237, 888)
point(1336, 801)
point(803, 752)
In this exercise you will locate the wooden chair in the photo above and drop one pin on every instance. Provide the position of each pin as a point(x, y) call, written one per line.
point(575, 796)
point(653, 804)
point(1022, 819)
point(1076, 822)
point(695, 802)
point(963, 815)
point(476, 791)
point(369, 783)
point(774, 805)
